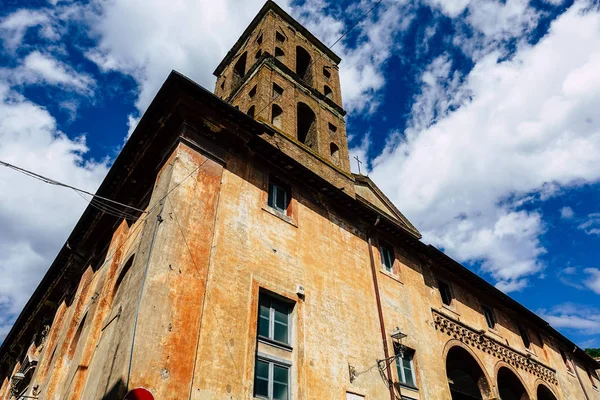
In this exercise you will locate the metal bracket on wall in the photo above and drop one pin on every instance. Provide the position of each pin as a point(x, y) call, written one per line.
point(352, 373)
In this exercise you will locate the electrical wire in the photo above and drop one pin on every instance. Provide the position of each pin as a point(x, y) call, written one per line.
point(365, 15)
point(57, 183)
point(107, 209)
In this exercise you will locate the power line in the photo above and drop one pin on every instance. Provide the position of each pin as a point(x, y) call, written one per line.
point(365, 15)
point(107, 208)
point(57, 183)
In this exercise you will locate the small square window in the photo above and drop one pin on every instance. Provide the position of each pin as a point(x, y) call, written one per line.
point(326, 72)
point(445, 292)
point(387, 257)
point(405, 365)
point(279, 196)
point(489, 317)
point(524, 336)
point(259, 39)
point(279, 37)
point(271, 380)
point(274, 319)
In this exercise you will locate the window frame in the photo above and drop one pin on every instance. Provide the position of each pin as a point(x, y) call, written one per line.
point(271, 378)
point(383, 248)
point(272, 197)
point(524, 335)
point(271, 336)
point(566, 361)
point(446, 284)
point(400, 369)
point(492, 316)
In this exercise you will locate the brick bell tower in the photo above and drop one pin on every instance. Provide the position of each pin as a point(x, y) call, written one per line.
point(280, 74)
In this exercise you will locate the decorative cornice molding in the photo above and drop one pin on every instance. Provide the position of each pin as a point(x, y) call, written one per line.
point(478, 340)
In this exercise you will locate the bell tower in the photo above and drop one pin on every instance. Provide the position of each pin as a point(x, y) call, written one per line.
point(280, 74)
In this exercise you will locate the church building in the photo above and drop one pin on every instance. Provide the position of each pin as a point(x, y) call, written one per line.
point(231, 254)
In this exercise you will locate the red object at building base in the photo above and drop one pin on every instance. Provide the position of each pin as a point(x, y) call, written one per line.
point(139, 394)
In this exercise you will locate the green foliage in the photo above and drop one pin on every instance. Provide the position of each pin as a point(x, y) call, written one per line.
point(595, 353)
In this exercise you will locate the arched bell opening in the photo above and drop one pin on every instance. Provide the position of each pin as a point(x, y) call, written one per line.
point(303, 63)
point(306, 125)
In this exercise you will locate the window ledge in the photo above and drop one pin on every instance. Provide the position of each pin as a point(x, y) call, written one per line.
point(530, 352)
point(495, 332)
point(571, 373)
point(275, 343)
point(390, 275)
point(407, 386)
point(280, 215)
point(450, 308)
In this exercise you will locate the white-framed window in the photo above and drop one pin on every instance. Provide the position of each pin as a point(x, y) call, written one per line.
point(271, 379)
point(279, 196)
point(405, 365)
point(274, 319)
point(387, 257)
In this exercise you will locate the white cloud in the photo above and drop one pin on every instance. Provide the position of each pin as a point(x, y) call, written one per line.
point(568, 276)
point(518, 128)
point(567, 213)
point(36, 218)
point(363, 62)
point(14, 26)
point(43, 69)
point(189, 36)
point(131, 125)
point(488, 24)
point(360, 151)
point(576, 317)
point(451, 8)
point(592, 225)
point(193, 36)
point(593, 280)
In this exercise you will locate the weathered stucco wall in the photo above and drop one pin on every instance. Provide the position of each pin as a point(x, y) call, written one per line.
point(173, 305)
point(216, 245)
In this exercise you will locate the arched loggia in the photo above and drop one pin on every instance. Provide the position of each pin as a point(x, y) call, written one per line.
point(510, 386)
point(543, 393)
point(466, 378)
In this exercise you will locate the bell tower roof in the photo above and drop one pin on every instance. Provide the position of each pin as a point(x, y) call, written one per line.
point(271, 5)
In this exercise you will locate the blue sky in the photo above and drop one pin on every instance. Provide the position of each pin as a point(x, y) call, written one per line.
point(478, 118)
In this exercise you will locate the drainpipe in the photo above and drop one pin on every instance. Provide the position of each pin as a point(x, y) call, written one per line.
point(379, 310)
point(578, 377)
